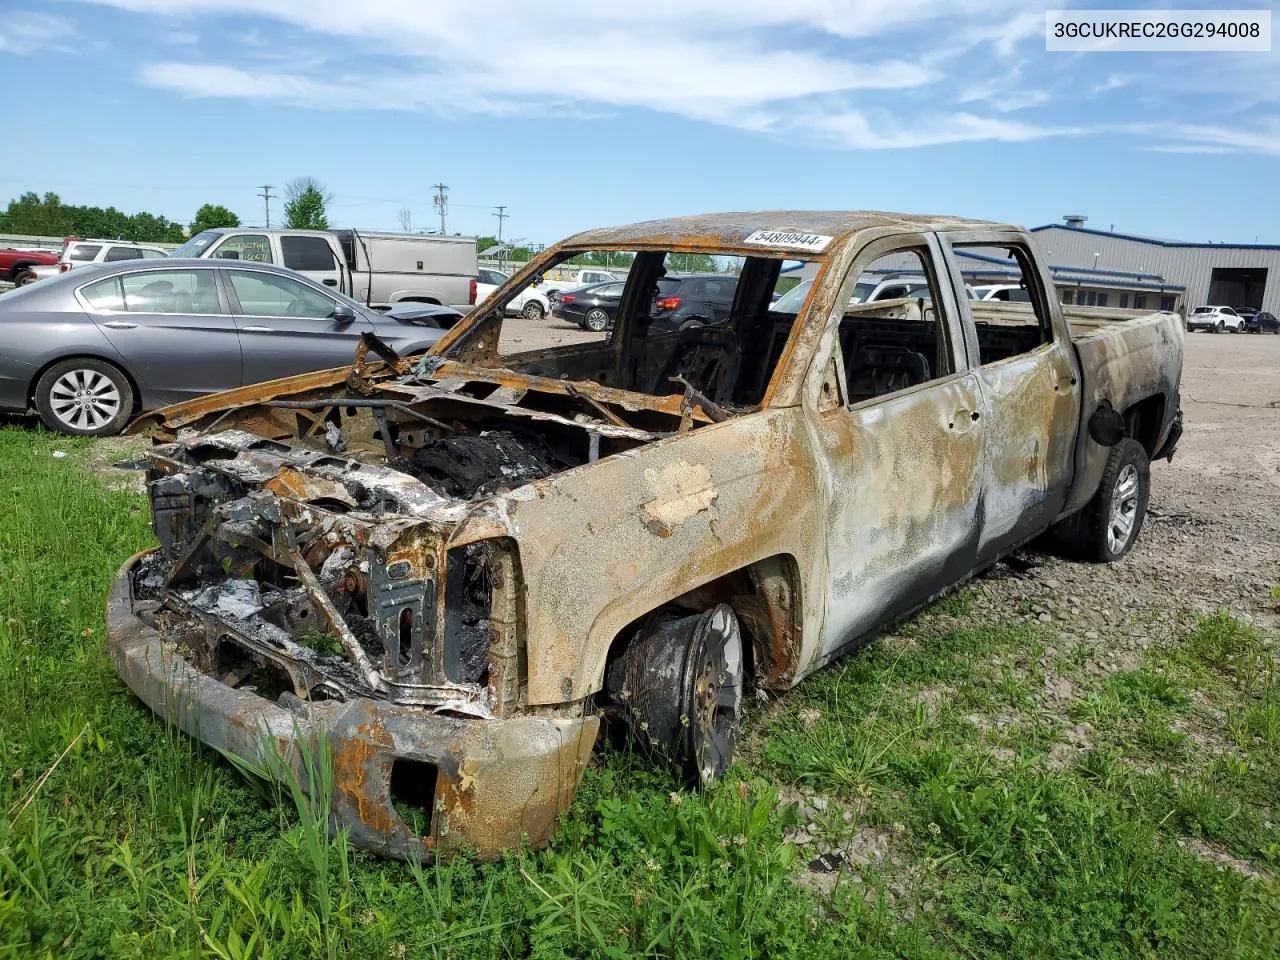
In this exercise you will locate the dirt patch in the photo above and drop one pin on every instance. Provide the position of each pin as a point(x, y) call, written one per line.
point(1210, 852)
point(109, 451)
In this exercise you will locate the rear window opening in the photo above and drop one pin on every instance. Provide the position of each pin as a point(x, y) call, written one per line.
point(413, 793)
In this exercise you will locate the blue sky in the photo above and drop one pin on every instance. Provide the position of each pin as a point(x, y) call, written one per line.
point(577, 115)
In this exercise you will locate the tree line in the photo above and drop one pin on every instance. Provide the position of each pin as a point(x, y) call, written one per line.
point(306, 203)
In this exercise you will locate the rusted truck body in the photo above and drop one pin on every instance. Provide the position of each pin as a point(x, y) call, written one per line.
point(443, 570)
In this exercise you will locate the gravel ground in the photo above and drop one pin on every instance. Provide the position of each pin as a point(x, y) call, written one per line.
point(519, 334)
point(1212, 534)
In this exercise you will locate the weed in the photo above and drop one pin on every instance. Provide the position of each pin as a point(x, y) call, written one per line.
point(957, 604)
point(1223, 642)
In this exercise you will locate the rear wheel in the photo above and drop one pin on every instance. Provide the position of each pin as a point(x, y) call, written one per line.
point(533, 310)
point(84, 397)
point(596, 320)
point(23, 277)
point(680, 684)
point(1220, 327)
point(1111, 523)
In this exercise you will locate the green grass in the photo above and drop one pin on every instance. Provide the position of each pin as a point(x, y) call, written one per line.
point(140, 843)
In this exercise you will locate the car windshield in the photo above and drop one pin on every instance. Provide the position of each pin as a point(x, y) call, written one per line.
point(861, 290)
point(793, 299)
point(196, 246)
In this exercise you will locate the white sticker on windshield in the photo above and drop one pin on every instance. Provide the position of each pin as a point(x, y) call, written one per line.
point(787, 238)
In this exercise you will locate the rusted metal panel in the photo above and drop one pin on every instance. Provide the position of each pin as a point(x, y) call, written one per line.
point(434, 558)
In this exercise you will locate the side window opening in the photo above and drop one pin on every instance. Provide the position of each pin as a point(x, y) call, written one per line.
point(893, 335)
point(84, 252)
point(249, 246)
point(1018, 323)
point(305, 253)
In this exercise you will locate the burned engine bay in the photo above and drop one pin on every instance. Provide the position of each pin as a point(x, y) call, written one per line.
point(320, 544)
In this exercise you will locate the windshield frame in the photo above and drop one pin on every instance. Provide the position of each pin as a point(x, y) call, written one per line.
point(197, 249)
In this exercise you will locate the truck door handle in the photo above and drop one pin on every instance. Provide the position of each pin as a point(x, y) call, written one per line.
point(330, 282)
point(256, 329)
point(120, 325)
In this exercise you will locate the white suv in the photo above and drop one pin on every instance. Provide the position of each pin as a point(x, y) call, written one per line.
point(531, 303)
point(1215, 320)
point(79, 252)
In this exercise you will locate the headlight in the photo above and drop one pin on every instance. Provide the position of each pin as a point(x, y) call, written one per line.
point(483, 639)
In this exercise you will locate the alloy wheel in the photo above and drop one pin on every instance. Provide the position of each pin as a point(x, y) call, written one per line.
point(84, 399)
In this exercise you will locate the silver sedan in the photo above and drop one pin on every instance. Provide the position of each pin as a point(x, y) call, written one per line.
point(90, 348)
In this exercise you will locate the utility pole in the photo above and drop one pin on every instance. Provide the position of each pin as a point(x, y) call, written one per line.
point(266, 202)
point(501, 215)
point(441, 203)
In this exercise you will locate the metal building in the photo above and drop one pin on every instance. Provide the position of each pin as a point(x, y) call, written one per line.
point(1234, 275)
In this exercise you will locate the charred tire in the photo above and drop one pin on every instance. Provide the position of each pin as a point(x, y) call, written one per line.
point(1110, 525)
point(532, 310)
point(84, 397)
point(596, 320)
point(680, 685)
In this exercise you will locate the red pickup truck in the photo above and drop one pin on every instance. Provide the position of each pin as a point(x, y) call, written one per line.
point(15, 263)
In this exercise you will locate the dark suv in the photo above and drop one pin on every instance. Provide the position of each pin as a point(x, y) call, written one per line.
point(696, 299)
point(1259, 321)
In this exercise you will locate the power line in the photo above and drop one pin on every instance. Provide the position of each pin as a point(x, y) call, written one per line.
point(441, 203)
point(266, 203)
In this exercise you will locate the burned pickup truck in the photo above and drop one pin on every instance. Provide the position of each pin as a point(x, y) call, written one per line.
point(443, 571)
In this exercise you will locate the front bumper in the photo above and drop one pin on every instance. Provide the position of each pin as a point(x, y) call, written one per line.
point(496, 783)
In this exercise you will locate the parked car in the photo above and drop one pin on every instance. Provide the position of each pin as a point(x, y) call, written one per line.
point(375, 268)
point(558, 284)
point(40, 271)
point(1259, 321)
point(15, 265)
point(531, 303)
point(519, 544)
point(91, 348)
point(1005, 292)
point(1215, 320)
point(698, 299)
point(868, 289)
point(77, 253)
point(592, 307)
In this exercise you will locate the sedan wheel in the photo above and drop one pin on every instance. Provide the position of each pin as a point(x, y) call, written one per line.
point(533, 311)
point(84, 397)
point(596, 320)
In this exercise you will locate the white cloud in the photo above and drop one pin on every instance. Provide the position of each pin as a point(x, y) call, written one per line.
point(1005, 93)
point(854, 129)
point(1263, 137)
point(1116, 81)
point(867, 74)
point(688, 57)
point(28, 32)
